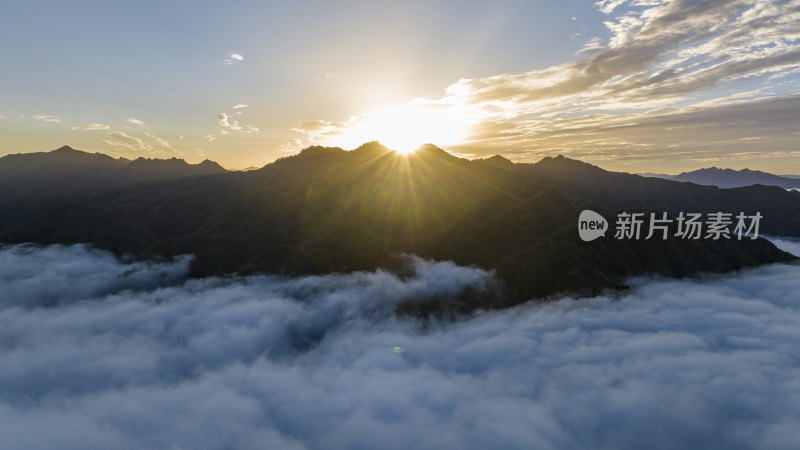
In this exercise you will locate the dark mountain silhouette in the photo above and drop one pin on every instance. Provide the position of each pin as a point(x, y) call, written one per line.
point(729, 178)
point(327, 209)
point(65, 172)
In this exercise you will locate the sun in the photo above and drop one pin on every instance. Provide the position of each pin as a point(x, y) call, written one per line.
point(405, 128)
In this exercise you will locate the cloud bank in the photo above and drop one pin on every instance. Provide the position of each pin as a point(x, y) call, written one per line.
point(103, 353)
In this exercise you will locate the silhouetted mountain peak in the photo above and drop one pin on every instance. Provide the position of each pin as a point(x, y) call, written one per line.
point(175, 166)
point(496, 161)
point(66, 172)
point(432, 150)
point(316, 150)
point(155, 162)
point(373, 147)
point(63, 158)
point(66, 149)
point(560, 164)
point(209, 164)
point(500, 160)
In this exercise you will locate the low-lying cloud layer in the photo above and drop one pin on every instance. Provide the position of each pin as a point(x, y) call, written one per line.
point(102, 353)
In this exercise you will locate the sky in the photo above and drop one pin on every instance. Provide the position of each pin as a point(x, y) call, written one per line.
point(632, 85)
point(101, 352)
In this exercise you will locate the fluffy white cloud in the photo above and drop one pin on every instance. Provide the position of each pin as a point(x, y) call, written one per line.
point(134, 121)
point(233, 58)
point(99, 352)
point(608, 6)
point(96, 126)
point(54, 119)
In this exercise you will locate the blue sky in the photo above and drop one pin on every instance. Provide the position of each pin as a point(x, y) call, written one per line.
point(638, 85)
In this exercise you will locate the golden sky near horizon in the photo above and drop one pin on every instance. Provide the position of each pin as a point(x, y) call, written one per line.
point(632, 85)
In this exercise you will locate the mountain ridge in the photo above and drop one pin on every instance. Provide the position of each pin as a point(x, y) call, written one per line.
point(730, 178)
point(330, 210)
point(66, 155)
point(65, 172)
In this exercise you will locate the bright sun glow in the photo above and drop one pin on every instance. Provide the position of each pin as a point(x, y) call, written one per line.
point(405, 128)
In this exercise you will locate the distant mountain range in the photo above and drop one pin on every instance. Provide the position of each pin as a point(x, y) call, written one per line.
point(328, 210)
point(65, 172)
point(729, 178)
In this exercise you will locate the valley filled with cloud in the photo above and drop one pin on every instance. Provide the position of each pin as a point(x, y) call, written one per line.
point(99, 351)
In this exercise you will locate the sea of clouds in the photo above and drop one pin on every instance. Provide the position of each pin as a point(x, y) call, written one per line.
point(98, 352)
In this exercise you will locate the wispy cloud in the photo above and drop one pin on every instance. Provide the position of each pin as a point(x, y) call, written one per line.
point(233, 58)
point(134, 121)
point(96, 126)
point(225, 121)
point(327, 75)
point(157, 145)
point(127, 140)
point(53, 119)
point(240, 106)
point(161, 142)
